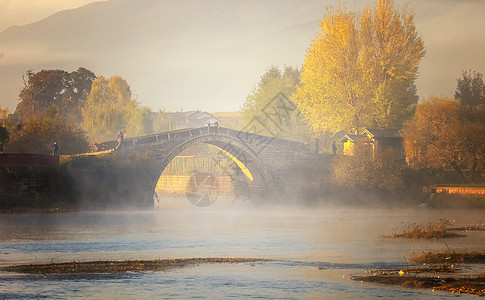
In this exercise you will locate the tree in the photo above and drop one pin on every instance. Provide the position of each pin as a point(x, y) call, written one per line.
point(111, 107)
point(67, 91)
point(74, 98)
point(268, 109)
point(4, 114)
point(36, 135)
point(474, 136)
point(380, 170)
point(470, 90)
point(360, 71)
point(444, 135)
point(163, 124)
point(41, 90)
point(4, 137)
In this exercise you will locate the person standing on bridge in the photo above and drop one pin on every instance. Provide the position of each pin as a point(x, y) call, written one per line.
point(55, 148)
point(121, 137)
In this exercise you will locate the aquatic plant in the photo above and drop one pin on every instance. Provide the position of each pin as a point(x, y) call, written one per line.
point(435, 230)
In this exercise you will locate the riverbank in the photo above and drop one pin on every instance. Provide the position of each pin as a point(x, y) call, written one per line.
point(447, 277)
point(471, 284)
point(444, 273)
point(122, 266)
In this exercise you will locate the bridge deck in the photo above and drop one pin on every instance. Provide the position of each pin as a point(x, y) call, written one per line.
point(194, 132)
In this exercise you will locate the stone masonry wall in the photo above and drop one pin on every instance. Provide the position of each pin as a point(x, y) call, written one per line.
point(177, 184)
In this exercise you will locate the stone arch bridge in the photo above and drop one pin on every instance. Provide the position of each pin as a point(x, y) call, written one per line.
point(264, 158)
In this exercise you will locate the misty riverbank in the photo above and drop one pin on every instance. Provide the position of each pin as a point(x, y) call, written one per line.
point(448, 277)
point(113, 182)
point(310, 250)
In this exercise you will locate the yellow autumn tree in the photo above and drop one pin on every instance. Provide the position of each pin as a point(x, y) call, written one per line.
point(360, 70)
point(110, 107)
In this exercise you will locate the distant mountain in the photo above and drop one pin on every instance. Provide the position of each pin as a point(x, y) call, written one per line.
point(208, 54)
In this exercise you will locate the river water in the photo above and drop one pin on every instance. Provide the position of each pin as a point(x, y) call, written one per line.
point(316, 249)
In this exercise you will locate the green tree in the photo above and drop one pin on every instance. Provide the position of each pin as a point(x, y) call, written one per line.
point(268, 109)
point(470, 90)
point(36, 135)
point(162, 123)
point(360, 71)
point(111, 107)
point(74, 98)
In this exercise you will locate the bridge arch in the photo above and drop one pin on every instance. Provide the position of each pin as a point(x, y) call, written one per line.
point(262, 178)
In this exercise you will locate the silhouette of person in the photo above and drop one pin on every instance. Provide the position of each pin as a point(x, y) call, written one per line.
point(55, 148)
point(317, 146)
point(120, 140)
point(334, 148)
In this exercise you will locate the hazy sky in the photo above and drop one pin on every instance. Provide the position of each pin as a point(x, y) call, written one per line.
point(21, 12)
point(209, 54)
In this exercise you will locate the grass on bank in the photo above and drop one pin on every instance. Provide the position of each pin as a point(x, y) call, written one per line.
point(435, 230)
point(443, 263)
point(474, 285)
point(447, 257)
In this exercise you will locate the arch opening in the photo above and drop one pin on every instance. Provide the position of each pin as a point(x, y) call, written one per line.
point(246, 170)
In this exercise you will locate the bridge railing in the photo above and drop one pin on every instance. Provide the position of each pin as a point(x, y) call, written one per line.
point(245, 137)
point(257, 139)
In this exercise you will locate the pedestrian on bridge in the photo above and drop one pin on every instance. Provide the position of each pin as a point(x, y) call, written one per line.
point(55, 148)
point(121, 137)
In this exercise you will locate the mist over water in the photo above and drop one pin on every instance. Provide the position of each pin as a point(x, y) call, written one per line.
point(344, 241)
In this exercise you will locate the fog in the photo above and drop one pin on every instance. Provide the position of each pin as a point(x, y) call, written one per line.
point(208, 56)
point(325, 234)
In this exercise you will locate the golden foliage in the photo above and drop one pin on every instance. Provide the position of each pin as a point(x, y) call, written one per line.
point(111, 107)
point(360, 71)
point(445, 135)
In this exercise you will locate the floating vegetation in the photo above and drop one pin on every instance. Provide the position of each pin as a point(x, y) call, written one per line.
point(436, 230)
point(121, 266)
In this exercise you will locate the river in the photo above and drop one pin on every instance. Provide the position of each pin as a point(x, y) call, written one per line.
point(315, 249)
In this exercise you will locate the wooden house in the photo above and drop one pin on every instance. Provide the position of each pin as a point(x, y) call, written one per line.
point(373, 139)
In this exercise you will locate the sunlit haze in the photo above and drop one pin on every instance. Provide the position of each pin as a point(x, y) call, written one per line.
point(22, 12)
point(208, 55)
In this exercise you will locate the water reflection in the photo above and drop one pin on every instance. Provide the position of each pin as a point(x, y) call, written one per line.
point(339, 240)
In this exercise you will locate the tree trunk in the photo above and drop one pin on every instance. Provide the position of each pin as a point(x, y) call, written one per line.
point(474, 168)
point(458, 170)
